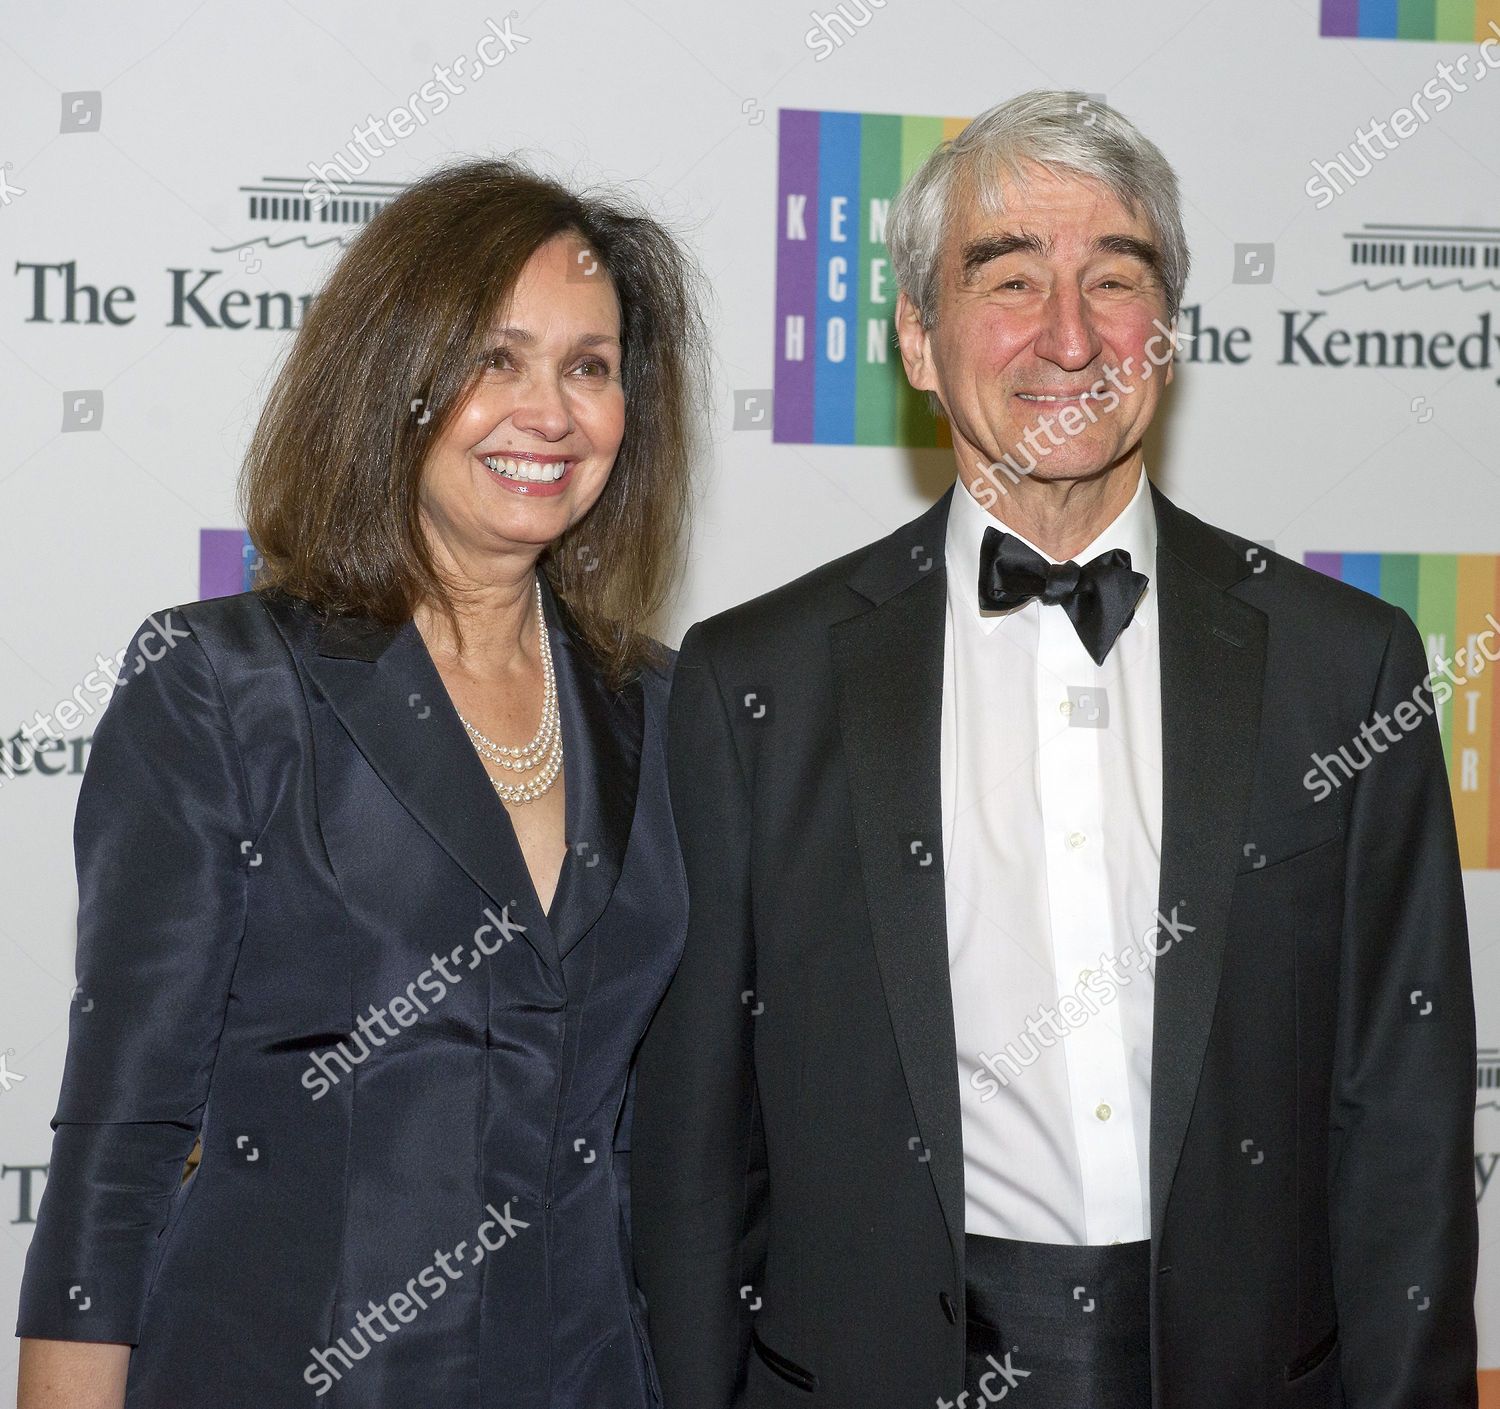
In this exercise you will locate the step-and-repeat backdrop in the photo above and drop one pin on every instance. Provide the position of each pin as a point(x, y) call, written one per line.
point(176, 177)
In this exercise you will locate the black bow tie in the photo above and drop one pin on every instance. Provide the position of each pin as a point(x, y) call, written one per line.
point(1100, 597)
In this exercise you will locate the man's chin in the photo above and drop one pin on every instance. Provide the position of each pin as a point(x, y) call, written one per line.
point(1083, 457)
point(1060, 468)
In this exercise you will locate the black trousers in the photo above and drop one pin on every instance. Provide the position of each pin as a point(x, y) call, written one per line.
point(1053, 1326)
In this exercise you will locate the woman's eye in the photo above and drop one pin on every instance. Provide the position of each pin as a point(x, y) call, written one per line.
point(594, 367)
point(497, 358)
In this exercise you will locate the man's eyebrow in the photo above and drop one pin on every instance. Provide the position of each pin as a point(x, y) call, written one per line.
point(1133, 248)
point(977, 253)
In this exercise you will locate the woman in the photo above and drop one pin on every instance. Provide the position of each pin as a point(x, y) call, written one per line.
point(378, 882)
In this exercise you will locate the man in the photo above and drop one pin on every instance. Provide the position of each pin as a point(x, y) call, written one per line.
point(1040, 1030)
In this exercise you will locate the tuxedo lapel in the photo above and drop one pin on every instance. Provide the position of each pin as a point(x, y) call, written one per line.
point(602, 732)
point(888, 672)
point(1212, 667)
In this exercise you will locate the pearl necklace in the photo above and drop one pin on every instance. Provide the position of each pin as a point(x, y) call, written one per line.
point(543, 754)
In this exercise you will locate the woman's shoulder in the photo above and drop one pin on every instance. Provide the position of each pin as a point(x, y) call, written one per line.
point(659, 662)
point(249, 616)
point(246, 628)
point(228, 665)
point(655, 675)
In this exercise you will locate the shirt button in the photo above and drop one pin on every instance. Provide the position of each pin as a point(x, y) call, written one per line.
point(1065, 708)
point(1076, 839)
point(1083, 975)
point(1103, 1111)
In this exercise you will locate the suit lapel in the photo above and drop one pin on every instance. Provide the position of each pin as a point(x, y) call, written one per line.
point(602, 733)
point(388, 695)
point(888, 672)
point(1212, 666)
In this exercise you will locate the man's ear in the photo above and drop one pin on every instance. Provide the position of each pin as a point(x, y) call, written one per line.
point(1172, 365)
point(916, 351)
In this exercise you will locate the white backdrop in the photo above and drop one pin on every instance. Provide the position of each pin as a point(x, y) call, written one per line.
point(146, 139)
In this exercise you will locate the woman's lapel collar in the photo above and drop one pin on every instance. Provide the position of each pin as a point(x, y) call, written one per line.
point(602, 732)
point(388, 695)
point(386, 691)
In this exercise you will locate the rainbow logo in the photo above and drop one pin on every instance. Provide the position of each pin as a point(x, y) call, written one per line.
point(839, 379)
point(1451, 597)
point(1447, 21)
point(227, 562)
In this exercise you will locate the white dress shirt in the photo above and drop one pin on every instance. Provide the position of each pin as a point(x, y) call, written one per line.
point(1051, 787)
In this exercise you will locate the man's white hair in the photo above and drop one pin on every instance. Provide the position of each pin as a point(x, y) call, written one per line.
point(1063, 131)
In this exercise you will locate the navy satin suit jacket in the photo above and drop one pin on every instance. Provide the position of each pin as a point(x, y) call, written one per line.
point(307, 932)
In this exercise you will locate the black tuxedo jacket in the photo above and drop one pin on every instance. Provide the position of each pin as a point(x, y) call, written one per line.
point(799, 1182)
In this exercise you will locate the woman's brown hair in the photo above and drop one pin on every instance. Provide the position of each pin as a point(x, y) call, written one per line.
point(390, 349)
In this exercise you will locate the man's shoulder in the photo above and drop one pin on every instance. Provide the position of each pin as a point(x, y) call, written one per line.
point(1287, 591)
point(808, 605)
point(818, 596)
